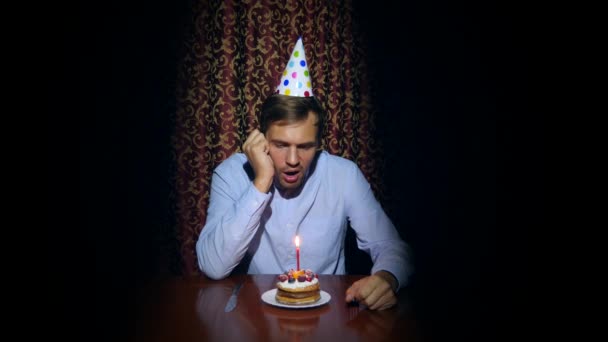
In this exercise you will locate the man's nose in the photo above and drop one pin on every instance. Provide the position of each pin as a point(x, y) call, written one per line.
point(292, 157)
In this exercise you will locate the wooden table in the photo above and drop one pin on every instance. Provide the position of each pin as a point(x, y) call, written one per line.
point(192, 309)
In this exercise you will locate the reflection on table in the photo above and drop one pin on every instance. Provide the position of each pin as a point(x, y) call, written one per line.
point(192, 309)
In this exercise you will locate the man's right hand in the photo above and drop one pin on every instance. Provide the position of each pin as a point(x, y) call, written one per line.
point(257, 150)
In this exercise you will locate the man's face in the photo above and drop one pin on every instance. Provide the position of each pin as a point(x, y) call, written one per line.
point(292, 149)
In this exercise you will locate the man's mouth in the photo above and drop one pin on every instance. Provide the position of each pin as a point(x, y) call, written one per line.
point(291, 176)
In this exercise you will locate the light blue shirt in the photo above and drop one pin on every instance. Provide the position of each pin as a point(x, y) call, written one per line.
point(258, 229)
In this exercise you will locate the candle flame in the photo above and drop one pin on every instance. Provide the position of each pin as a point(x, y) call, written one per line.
point(297, 241)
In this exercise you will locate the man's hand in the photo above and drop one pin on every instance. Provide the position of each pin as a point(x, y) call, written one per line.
point(256, 149)
point(375, 292)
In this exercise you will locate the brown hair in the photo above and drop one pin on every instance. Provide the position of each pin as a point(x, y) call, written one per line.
point(279, 107)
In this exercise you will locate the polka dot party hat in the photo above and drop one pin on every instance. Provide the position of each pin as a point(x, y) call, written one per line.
point(295, 80)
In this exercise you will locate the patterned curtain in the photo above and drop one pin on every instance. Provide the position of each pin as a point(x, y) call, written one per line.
point(233, 57)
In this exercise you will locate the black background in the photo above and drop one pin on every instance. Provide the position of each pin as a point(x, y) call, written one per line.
point(461, 134)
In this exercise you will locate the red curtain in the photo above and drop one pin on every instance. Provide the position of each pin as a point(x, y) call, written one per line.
point(233, 57)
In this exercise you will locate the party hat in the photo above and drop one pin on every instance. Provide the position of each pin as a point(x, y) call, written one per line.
point(295, 80)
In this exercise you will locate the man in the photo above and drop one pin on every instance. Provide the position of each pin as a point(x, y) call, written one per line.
point(283, 186)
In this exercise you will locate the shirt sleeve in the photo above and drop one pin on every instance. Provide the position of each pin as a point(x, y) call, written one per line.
point(376, 234)
point(233, 217)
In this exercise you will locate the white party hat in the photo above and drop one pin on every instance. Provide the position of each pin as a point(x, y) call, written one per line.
point(295, 80)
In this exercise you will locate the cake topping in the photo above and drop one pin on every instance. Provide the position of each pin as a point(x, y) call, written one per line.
point(299, 275)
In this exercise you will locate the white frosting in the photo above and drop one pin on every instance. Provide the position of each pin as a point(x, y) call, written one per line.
point(297, 284)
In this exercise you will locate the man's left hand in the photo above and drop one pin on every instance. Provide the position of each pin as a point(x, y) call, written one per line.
point(375, 291)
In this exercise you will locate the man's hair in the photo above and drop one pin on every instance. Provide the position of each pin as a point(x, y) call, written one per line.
point(291, 109)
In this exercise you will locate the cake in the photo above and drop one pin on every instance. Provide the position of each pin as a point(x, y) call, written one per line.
point(298, 287)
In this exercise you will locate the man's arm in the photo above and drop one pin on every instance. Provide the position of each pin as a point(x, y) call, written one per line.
point(235, 208)
point(377, 236)
point(233, 217)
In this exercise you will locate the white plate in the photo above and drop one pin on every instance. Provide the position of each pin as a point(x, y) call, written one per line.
point(269, 297)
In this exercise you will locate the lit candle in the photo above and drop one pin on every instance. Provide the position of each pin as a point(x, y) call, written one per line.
point(297, 253)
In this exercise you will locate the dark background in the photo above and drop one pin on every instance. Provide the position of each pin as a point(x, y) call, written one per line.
point(459, 84)
point(461, 133)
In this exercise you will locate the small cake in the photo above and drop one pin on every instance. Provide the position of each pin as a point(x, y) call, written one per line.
point(298, 287)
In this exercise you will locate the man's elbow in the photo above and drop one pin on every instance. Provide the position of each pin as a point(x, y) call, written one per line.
point(212, 272)
point(208, 267)
point(215, 275)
